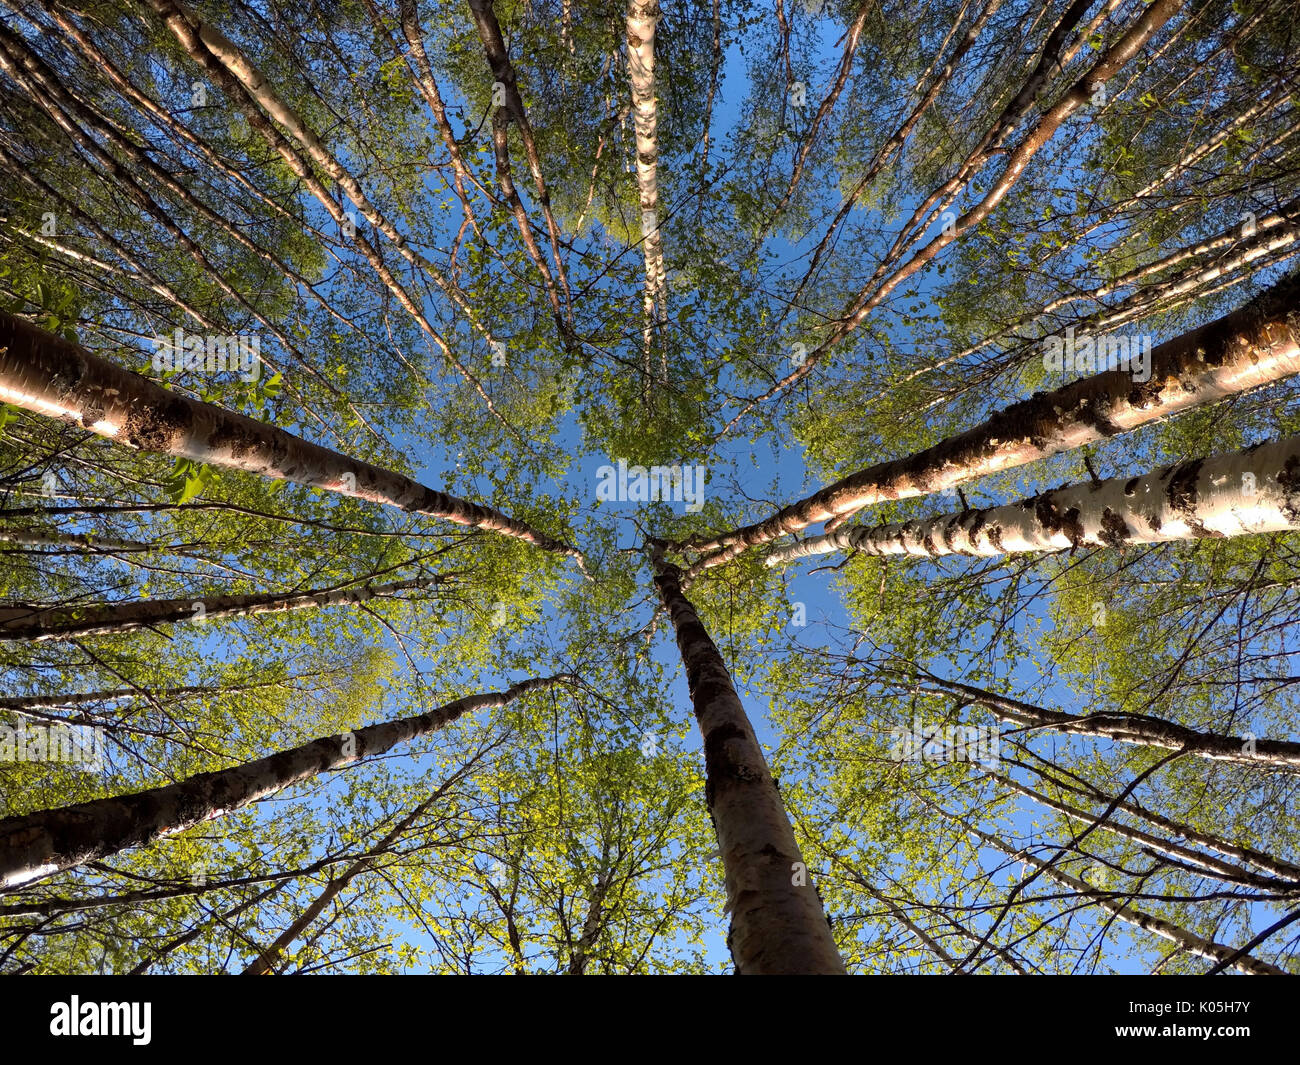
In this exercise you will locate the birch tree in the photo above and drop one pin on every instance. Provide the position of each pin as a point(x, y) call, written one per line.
point(1245, 349)
point(43, 843)
point(95, 619)
point(53, 377)
point(641, 20)
point(777, 921)
point(1236, 494)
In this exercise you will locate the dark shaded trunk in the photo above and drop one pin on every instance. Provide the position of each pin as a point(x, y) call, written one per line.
point(777, 922)
point(33, 845)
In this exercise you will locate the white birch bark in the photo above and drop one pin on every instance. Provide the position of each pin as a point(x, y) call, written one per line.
point(44, 624)
point(641, 20)
point(49, 375)
point(777, 922)
point(1255, 345)
point(1256, 490)
point(37, 844)
point(1142, 730)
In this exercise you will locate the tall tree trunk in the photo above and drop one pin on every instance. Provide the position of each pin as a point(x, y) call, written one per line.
point(88, 542)
point(591, 928)
point(251, 93)
point(566, 25)
point(776, 926)
point(498, 57)
point(46, 374)
point(20, 704)
point(1256, 490)
point(641, 19)
point(42, 624)
point(36, 844)
point(206, 43)
point(1254, 345)
point(422, 72)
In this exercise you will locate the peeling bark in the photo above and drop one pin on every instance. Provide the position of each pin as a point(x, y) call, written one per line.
point(591, 928)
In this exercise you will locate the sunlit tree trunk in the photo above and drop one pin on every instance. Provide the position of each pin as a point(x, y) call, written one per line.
point(641, 20)
point(1139, 729)
point(498, 57)
point(1256, 490)
point(256, 98)
point(49, 375)
point(1255, 345)
point(591, 928)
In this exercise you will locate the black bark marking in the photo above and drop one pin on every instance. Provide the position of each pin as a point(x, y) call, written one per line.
point(158, 428)
point(1072, 527)
point(238, 439)
point(1288, 479)
point(1053, 520)
point(1097, 414)
point(1181, 489)
point(720, 767)
point(1200, 531)
point(1114, 529)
